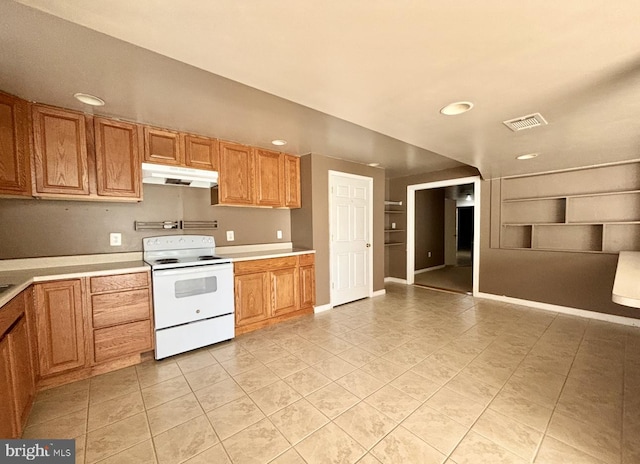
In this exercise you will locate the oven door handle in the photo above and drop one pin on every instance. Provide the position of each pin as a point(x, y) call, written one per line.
point(193, 271)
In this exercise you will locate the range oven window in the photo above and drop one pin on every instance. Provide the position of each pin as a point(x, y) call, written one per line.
point(193, 287)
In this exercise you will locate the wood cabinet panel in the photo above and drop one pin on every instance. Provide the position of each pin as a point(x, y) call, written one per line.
point(121, 340)
point(236, 183)
point(120, 307)
point(307, 259)
point(118, 170)
point(307, 287)
point(8, 427)
point(284, 291)
point(269, 178)
point(22, 371)
point(201, 152)
point(162, 146)
point(252, 298)
point(292, 181)
point(263, 265)
point(60, 325)
point(60, 151)
point(14, 146)
point(118, 282)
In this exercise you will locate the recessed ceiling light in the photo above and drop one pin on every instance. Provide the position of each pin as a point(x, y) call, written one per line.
point(453, 109)
point(373, 165)
point(528, 156)
point(468, 197)
point(89, 99)
point(279, 142)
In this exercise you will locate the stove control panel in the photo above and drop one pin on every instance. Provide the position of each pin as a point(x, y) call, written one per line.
point(177, 242)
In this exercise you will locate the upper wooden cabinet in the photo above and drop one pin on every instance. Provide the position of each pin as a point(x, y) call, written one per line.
point(118, 147)
point(162, 146)
point(60, 151)
point(201, 152)
point(292, 181)
point(14, 146)
point(269, 178)
point(236, 181)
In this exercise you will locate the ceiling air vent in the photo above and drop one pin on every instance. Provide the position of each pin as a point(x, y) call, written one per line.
point(525, 122)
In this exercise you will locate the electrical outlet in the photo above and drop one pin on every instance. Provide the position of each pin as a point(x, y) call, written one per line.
point(393, 225)
point(230, 236)
point(115, 239)
point(279, 235)
point(428, 254)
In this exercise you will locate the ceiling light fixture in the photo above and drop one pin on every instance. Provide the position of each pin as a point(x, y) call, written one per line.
point(89, 99)
point(456, 108)
point(468, 197)
point(528, 156)
point(373, 165)
point(279, 142)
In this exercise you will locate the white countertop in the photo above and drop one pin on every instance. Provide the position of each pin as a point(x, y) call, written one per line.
point(626, 286)
point(252, 255)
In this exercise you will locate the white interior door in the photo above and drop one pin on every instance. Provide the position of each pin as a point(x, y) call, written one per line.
point(351, 228)
point(450, 232)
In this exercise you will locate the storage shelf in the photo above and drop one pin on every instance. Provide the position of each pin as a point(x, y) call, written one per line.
point(393, 212)
point(394, 230)
point(576, 195)
point(393, 243)
point(392, 203)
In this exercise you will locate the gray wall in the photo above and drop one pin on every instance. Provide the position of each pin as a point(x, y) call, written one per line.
point(429, 233)
point(36, 228)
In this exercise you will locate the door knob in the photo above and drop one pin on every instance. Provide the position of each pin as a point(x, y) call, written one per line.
point(368, 245)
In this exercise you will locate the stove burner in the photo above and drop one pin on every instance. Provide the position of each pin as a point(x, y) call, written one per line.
point(167, 261)
point(206, 257)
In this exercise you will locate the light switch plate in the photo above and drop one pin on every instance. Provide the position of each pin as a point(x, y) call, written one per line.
point(279, 234)
point(115, 239)
point(230, 236)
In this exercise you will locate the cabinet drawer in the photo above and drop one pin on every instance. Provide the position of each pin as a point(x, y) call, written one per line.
point(120, 308)
point(122, 340)
point(306, 260)
point(119, 282)
point(262, 265)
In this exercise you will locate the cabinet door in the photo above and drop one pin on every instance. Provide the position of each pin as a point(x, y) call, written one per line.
point(307, 286)
point(117, 158)
point(269, 182)
point(236, 182)
point(252, 298)
point(162, 146)
point(292, 181)
point(8, 428)
point(60, 151)
point(284, 291)
point(14, 146)
point(201, 152)
point(59, 321)
point(21, 371)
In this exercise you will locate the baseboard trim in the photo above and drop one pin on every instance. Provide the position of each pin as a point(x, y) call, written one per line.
point(562, 309)
point(322, 308)
point(432, 268)
point(378, 293)
point(395, 280)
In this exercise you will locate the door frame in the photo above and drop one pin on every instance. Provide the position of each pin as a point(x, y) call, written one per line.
point(411, 224)
point(369, 180)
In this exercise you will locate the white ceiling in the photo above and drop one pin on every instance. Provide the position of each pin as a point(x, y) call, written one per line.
point(389, 66)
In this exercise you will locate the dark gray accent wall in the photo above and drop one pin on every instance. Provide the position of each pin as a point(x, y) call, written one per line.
point(429, 230)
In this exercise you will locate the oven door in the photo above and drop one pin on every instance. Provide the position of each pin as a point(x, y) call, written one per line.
point(189, 294)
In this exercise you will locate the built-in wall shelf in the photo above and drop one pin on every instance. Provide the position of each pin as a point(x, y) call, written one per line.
point(591, 210)
point(394, 223)
point(393, 243)
point(393, 212)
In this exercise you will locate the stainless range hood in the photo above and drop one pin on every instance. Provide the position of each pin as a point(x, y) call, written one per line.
point(176, 175)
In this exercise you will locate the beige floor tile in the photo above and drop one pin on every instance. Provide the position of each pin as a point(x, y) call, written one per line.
point(226, 350)
point(255, 379)
point(195, 360)
point(287, 365)
point(206, 376)
point(117, 383)
point(52, 406)
point(162, 392)
point(116, 437)
point(334, 367)
point(522, 410)
point(313, 354)
point(456, 360)
point(383, 369)
point(438, 430)
point(298, 420)
point(142, 453)
point(234, 416)
point(472, 388)
point(184, 441)
point(393, 403)
point(553, 451)
point(172, 413)
point(357, 356)
point(153, 372)
point(415, 386)
point(257, 444)
point(511, 435)
point(475, 449)
point(243, 362)
point(295, 343)
point(336, 345)
point(270, 353)
point(214, 455)
point(360, 383)
point(70, 426)
point(73, 388)
point(457, 407)
point(274, 397)
point(307, 381)
point(368, 459)
point(81, 448)
point(289, 457)
point(332, 400)
point(403, 357)
point(114, 410)
point(218, 394)
point(330, 445)
point(435, 371)
point(365, 424)
point(402, 446)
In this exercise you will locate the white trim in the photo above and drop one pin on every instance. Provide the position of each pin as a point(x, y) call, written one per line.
point(378, 293)
point(369, 181)
point(429, 269)
point(562, 309)
point(411, 224)
point(322, 308)
point(554, 171)
point(395, 280)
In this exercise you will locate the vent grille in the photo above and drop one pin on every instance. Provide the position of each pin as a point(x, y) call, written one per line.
point(525, 122)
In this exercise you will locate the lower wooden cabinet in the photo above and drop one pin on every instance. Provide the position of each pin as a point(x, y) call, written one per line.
point(7, 409)
point(284, 291)
point(307, 274)
point(252, 298)
point(22, 372)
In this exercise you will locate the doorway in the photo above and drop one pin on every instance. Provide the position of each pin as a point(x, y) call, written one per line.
point(461, 224)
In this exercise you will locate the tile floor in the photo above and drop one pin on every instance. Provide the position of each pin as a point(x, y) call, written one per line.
point(415, 376)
